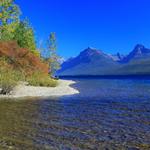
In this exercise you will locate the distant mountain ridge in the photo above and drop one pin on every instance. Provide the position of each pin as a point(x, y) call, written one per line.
point(138, 52)
point(95, 62)
point(117, 57)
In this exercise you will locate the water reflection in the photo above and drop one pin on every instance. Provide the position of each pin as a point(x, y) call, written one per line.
point(113, 89)
point(119, 122)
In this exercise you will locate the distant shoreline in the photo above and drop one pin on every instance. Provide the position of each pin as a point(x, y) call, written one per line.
point(23, 91)
point(105, 77)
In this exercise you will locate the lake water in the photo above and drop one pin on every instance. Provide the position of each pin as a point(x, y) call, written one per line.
point(108, 114)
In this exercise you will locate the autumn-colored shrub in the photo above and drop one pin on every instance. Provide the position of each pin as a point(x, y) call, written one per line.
point(19, 64)
point(22, 59)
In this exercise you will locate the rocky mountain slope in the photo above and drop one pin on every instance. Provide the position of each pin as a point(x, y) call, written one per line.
point(95, 62)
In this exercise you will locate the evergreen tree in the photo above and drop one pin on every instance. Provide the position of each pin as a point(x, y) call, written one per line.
point(24, 35)
point(9, 12)
point(9, 17)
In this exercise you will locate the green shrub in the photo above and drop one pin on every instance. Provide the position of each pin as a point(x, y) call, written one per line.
point(8, 80)
point(39, 79)
point(8, 76)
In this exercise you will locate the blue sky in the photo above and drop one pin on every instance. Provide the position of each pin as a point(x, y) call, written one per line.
point(110, 25)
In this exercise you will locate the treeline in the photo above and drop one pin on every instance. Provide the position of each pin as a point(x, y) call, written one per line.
point(19, 58)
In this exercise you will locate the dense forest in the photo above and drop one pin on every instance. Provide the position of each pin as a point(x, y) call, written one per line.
point(20, 59)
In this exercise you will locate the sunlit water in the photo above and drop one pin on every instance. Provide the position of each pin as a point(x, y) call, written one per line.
point(115, 115)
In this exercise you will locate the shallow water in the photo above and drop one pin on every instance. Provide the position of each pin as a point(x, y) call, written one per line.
point(115, 117)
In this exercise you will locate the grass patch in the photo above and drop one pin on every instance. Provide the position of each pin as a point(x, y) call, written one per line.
point(39, 79)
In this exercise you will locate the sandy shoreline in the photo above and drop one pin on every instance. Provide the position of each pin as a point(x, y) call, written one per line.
point(63, 89)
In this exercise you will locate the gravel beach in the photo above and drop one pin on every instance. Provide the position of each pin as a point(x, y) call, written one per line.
point(63, 89)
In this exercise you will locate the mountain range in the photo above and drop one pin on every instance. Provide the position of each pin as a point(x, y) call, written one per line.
point(95, 62)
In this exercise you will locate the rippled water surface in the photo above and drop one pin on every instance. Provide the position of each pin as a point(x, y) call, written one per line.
point(115, 115)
